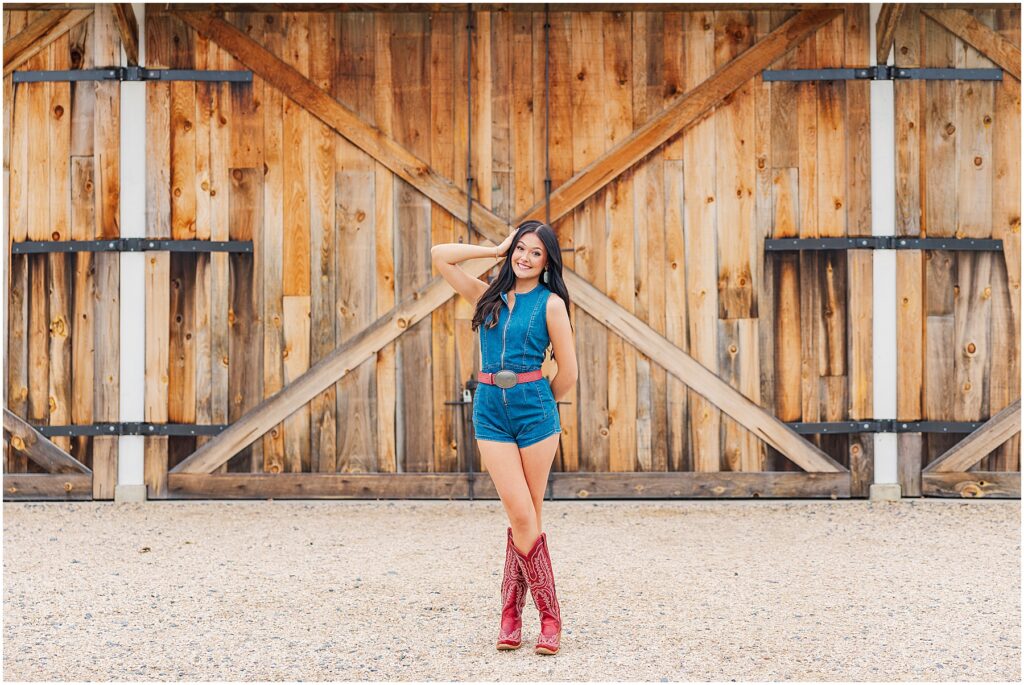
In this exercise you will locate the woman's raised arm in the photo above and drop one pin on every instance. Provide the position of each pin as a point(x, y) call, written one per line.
point(446, 257)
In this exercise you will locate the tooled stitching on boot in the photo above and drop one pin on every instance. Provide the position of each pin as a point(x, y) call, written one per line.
point(535, 567)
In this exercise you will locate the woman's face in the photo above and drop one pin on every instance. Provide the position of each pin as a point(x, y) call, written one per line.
point(529, 256)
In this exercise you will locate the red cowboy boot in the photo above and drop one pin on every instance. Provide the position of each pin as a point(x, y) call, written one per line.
point(513, 598)
point(536, 566)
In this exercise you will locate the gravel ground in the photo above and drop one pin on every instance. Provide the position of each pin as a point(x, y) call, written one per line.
point(409, 590)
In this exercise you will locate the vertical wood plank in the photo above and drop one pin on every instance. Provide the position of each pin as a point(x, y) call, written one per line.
point(907, 105)
point(16, 141)
point(60, 281)
point(13, 362)
point(322, 244)
point(763, 268)
point(219, 191)
point(972, 296)
point(1006, 155)
point(701, 229)
point(384, 192)
point(107, 309)
point(410, 73)
point(356, 216)
point(245, 209)
point(620, 256)
point(586, 55)
point(446, 386)
point(785, 161)
point(271, 261)
point(649, 244)
point(182, 345)
point(204, 94)
point(560, 155)
point(83, 227)
point(858, 221)
point(38, 220)
point(158, 225)
point(736, 181)
point(296, 238)
point(296, 362)
point(832, 132)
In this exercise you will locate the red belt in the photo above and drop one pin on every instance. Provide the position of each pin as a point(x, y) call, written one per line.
point(523, 377)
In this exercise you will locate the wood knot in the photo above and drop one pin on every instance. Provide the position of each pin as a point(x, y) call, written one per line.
point(402, 323)
point(950, 129)
point(971, 350)
point(59, 327)
point(977, 161)
point(58, 111)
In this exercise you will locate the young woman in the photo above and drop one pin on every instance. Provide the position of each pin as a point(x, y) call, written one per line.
point(515, 418)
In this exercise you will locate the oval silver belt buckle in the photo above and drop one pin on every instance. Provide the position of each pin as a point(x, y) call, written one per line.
point(505, 379)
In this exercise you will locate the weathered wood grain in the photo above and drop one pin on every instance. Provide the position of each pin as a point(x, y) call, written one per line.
point(38, 35)
point(701, 235)
point(26, 439)
point(981, 36)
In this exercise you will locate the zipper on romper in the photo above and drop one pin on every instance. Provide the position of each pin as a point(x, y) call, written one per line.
point(508, 320)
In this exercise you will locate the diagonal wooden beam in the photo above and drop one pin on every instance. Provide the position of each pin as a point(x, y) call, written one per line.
point(128, 27)
point(25, 438)
point(322, 105)
point(885, 29)
point(975, 446)
point(684, 111)
point(698, 378)
point(419, 174)
point(985, 40)
point(38, 34)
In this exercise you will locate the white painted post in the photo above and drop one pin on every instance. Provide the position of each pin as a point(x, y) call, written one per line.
point(131, 486)
point(883, 222)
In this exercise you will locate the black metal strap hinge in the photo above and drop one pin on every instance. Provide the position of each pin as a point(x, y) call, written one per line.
point(132, 74)
point(885, 426)
point(130, 245)
point(882, 242)
point(131, 428)
point(882, 72)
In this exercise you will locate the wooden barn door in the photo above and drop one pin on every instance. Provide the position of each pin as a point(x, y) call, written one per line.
point(61, 156)
point(340, 359)
point(958, 176)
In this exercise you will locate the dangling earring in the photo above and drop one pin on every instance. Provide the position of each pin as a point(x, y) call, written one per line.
point(545, 276)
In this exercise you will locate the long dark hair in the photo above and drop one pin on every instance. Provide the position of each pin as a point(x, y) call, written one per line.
point(489, 304)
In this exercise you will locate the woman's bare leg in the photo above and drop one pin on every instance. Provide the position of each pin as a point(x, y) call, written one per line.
point(503, 463)
point(537, 460)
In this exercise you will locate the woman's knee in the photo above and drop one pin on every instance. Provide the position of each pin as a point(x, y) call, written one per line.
point(523, 516)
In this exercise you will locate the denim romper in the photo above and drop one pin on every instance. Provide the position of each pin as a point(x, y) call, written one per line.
point(525, 413)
